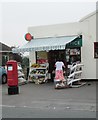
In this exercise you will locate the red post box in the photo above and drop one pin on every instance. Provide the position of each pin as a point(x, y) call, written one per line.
point(12, 76)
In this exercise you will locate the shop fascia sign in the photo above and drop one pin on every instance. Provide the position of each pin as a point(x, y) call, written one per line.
point(75, 43)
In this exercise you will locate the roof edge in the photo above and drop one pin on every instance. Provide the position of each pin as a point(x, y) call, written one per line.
point(89, 15)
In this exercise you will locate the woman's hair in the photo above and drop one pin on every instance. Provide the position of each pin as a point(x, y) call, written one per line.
point(58, 59)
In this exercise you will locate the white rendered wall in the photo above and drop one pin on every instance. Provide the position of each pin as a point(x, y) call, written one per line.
point(66, 29)
point(32, 58)
point(88, 28)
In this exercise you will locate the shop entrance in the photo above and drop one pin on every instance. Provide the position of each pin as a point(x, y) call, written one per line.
point(53, 55)
point(68, 56)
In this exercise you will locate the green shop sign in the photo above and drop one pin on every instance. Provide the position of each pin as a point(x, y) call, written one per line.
point(75, 43)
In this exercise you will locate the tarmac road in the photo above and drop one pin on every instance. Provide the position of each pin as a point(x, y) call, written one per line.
point(43, 101)
point(29, 112)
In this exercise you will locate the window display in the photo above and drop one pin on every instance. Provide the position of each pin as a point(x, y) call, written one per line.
point(73, 55)
point(74, 51)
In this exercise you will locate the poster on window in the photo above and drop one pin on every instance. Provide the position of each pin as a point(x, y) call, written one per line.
point(42, 61)
point(74, 51)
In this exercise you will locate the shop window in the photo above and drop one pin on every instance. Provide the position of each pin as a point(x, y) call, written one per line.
point(73, 55)
point(96, 50)
point(41, 57)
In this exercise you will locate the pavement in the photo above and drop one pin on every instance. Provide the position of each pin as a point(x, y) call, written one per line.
point(43, 101)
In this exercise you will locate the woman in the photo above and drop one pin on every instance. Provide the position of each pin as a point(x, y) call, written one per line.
point(59, 70)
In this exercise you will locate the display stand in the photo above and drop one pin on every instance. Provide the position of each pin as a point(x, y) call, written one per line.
point(39, 75)
point(21, 76)
point(74, 77)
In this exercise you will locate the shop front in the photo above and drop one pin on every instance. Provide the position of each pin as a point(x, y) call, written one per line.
point(69, 55)
point(47, 50)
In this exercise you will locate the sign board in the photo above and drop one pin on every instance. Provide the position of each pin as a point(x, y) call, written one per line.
point(10, 68)
point(75, 43)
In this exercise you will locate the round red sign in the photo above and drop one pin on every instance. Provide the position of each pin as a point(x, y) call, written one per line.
point(28, 37)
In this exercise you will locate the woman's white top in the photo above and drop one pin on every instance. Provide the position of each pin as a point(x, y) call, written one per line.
point(59, 65)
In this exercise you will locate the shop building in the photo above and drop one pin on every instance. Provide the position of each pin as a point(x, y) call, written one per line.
point(89, 52)
point(70, 41)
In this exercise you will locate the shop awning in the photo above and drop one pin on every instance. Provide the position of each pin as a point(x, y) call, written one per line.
point(46, 44)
